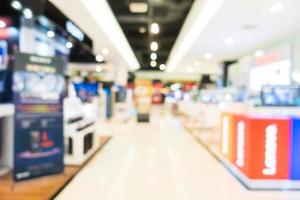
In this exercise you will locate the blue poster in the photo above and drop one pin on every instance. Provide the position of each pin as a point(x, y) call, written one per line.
point(39, 88)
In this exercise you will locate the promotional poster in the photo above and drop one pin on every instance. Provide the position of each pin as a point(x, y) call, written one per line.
point(39, 87)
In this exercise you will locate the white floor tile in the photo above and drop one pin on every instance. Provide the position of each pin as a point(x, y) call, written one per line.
point(159, 161)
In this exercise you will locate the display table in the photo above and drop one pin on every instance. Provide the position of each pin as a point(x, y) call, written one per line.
point(261, 146)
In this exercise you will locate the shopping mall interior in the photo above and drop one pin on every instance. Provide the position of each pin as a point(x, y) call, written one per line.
point(149, 99)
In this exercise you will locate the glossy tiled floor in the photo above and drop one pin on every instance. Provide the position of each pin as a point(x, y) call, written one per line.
point(159, 161)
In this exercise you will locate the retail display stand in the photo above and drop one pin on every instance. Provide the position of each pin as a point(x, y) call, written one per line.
point(6, 138)
point(261, 149)
point(79, 133)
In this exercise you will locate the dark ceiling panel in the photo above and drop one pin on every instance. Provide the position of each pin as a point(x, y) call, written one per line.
point(169, 14)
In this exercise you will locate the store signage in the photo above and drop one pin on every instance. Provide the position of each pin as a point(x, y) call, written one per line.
point(38, 86)
point(74, 31)
point(271, 150)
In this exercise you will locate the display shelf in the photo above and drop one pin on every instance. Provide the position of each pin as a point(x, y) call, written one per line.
point(6, 110)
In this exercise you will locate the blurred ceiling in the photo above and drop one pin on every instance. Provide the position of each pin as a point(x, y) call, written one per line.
point(170, 16)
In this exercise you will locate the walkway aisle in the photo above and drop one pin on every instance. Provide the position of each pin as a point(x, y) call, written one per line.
point(158, 161)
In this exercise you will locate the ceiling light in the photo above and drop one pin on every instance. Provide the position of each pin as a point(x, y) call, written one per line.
point(208, 56)
point(99, 58)
point(276, 8)
point(142, 30)
point(229, 41)
point(154, 46)
point(16, 5)
point(69, 45)
point(105, 51)
point(27, 13)
point(98, 69)
point(153, 63)
point(189, 69)
point(162, 67)
point(50, 34)
point(198, 22)
point(154, 28)
point(259, 53)
point(2, 24)
point(197, 63)
point(138, 7)
point(153, 56)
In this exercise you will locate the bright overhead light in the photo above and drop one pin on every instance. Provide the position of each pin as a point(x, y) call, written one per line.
point(50, 34)
point(142, 30)
point(98, 69)
point(197, 63)
point(27, 13)
point(2, 24)
point(153, 56)
point(162, 67)
point(138, 7)
point(154, 46)
point(189, 69)
point(153, 63)
point(229, 41)
point(105, 51)
point(99, 58)
point(16, 5)
point(69, 45)
point(106, 21)
point(154, 28)
point(208, 56)
point(259, 53)
point(276, 8)
point(196, 22)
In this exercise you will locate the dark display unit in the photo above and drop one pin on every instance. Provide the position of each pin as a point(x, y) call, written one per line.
point(280, 95)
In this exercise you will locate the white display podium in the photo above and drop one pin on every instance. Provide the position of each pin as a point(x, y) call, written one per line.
point(6, 137)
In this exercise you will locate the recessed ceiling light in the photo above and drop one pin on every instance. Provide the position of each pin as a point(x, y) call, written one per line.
point(162, 67)
point(197, 63)
point(99, 58)
point(16, 5)
point(138, 7)
point(154, 46)
point(229, 41)
point(259, 53)
point(153, 63)
point(2, 24)
point(69, 45)
point(105, 51)
point(98, 69)
point(27, 13)
point(153, 56)
point(154, 28)
point(208, 56)
point(142, 30)
point(277, 8)
point(50, 34)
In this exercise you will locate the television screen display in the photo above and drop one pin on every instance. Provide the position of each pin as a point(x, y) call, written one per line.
point(280, 95)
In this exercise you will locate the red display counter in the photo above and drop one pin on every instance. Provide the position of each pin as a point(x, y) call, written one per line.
point(259, 149)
